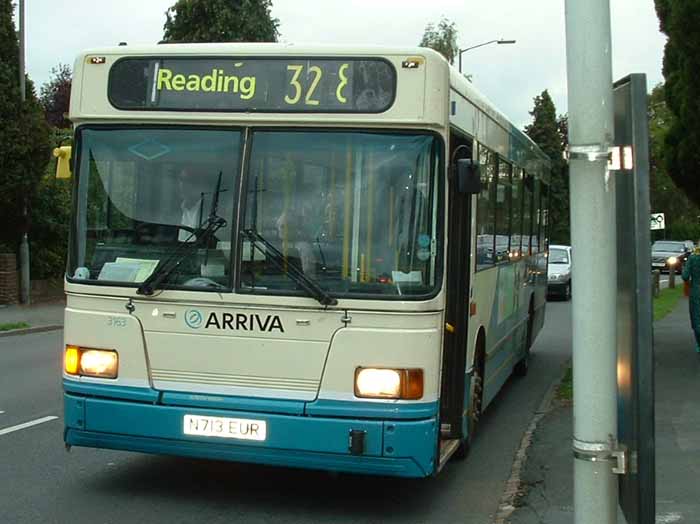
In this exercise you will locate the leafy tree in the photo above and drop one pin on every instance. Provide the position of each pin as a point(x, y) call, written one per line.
point(442, 39)
point(51, 213)
point(681, 213)
point(220, 21)
point(681, 155)
point(551, 135)
point(23, 135)
point(55, 96)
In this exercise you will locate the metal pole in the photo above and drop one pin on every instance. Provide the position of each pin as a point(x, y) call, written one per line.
point(25, 278)
point(593, 233)
point(22, 87)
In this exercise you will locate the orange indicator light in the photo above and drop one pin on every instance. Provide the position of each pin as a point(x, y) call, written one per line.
point(72, 360)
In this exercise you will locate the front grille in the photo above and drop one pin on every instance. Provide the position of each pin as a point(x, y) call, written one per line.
point(241, 381)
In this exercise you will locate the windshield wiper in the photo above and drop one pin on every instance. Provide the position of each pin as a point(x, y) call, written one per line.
point(290, 270)
point(184, 250)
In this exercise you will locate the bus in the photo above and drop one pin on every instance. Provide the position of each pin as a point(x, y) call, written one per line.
point(304, 256)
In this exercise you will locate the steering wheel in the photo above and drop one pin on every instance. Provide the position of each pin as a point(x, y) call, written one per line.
point(203, 282)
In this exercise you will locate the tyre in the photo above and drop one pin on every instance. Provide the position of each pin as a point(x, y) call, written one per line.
point(523, 365)
point(476, 395)
point(567, 291)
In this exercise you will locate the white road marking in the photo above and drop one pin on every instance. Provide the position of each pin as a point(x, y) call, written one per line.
point(2, 412)
point(26, 425)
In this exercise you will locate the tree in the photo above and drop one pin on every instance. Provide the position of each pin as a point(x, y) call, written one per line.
point(681, 214)
point(442, 39)
point(55, 96)
point(681, 156)
point(220, 21)
point(51, 212)
point(23, 135)
point(551, 135)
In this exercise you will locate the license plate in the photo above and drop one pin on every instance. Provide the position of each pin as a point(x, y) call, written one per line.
point(235, 428)
point(658, 264)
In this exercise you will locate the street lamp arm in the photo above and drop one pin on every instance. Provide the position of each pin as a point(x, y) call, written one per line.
point(475, 46)
point(499, 42)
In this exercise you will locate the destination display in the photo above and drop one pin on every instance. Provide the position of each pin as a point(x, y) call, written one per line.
point(252, 85)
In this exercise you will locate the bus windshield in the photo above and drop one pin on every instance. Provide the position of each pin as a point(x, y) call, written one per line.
point(142, 193)
point(355, 212)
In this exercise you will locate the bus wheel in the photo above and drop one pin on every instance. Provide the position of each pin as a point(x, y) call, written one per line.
point(523, 366)
point(476, 395)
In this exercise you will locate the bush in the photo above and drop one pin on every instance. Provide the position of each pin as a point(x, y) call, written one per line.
point(51, 215)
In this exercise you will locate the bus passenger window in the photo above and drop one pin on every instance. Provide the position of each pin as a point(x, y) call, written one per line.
point(486, 211)
point(517, 223)
point(536, 216)
point(503, 211)
point(528, 186)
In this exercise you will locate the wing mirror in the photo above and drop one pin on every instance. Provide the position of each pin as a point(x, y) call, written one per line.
point(63, 155)
point(468, 177)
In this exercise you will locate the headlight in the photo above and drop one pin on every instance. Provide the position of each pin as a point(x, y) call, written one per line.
point(91, 362)
point(553, 276)
point(389, 383)
point(672, 261)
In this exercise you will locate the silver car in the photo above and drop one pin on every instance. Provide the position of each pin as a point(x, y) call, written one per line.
point(559, 271)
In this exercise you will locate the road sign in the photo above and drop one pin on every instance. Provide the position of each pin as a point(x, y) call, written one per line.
point(658, 221)
point(635, 358)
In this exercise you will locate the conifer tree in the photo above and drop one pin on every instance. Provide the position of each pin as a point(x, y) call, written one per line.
point(24, 136)
point(549, 133)
point(680, 20)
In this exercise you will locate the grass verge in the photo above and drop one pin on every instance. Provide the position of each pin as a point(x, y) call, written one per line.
point(667, 301)
point(13, 325)
point(565, 390)
point(663, 305)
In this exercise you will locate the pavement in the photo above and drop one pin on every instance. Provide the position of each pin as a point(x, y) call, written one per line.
point(42, 316)
point(546, 487)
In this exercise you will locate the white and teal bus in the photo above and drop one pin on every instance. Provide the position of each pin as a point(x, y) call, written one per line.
point(316, 257)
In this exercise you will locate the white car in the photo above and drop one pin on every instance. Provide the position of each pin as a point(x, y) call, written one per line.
point(559, 271)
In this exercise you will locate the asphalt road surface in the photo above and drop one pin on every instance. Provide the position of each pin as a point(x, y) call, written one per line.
point(41, 482)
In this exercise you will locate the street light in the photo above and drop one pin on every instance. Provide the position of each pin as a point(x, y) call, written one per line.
point(499, 42)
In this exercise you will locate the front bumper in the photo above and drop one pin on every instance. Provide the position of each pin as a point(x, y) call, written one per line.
point(402, 447)
point(557, 286)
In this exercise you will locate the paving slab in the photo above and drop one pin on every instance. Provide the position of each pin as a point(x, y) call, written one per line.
point(547, 479)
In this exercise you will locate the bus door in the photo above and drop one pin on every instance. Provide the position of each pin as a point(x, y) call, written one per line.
point(456, 313)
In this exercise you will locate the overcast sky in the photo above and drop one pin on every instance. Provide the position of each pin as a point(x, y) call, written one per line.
point(509, 75)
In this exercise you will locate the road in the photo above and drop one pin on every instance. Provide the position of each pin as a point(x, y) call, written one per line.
point(41, 482)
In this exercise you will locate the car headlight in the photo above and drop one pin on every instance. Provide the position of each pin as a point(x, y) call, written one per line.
point(404, 384)
point(87, 362)
point(553, 276)
point(672, 261)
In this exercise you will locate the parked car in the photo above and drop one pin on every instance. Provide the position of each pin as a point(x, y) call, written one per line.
point(667, 254)
point(559, 271)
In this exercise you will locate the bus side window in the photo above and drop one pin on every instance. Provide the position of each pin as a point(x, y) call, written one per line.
point(503, 211)
point(536, 216)
point(544, 228)
point(528, 183)
point(486, 210)
point(516, 230)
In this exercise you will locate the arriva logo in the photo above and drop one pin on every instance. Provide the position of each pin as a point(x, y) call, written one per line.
point(193, 318)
